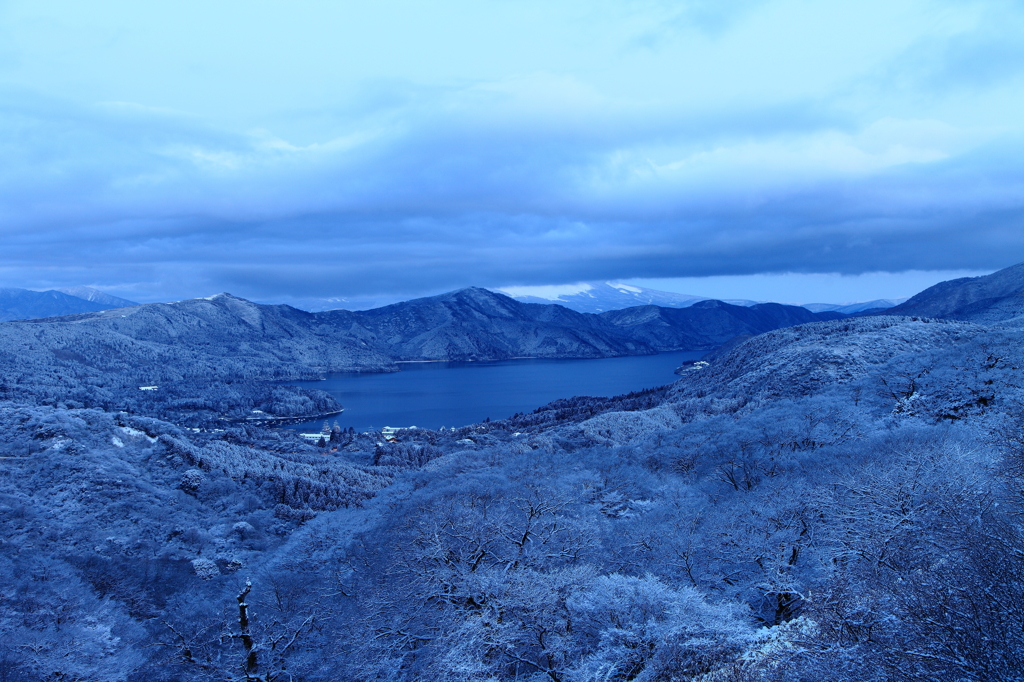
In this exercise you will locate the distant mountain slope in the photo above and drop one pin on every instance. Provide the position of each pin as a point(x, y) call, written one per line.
point(97, 296)
point(23, 304)
point(318, 305)
point(991, 298)
point(707, 324)
point(599, 297)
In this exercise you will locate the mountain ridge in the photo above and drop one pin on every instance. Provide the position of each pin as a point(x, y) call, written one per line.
point(852, 308)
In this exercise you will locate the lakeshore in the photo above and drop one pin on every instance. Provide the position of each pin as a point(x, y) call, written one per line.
point(436, 394)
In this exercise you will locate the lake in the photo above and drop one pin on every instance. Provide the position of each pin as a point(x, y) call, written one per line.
point(435, 394)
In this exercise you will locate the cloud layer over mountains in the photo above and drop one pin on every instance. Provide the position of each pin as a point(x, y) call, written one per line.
point(332, 151)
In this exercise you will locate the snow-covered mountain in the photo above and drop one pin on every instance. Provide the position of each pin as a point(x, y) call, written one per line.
point(599, 297)
point(24, 304)
point(852, 308)
point(319, 305)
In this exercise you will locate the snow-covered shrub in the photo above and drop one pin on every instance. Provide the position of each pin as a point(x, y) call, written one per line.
point(191, 481)
point(641, 629)
point(243, 529)
point(205, 568)
point(620, 427)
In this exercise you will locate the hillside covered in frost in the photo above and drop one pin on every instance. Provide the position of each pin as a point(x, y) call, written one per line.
point(839, 500)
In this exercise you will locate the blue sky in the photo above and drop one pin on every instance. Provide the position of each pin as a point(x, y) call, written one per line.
point(321, 149)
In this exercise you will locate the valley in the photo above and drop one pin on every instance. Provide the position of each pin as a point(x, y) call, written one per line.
point(826, 499)
point(222, 357)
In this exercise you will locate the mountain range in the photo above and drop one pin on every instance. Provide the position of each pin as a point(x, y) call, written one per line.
point(105, 355)
point(469, 324)
point(102, 358)
point(598, 297)
point(587, 297)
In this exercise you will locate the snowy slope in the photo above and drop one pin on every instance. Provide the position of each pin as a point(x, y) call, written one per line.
point(97, 296)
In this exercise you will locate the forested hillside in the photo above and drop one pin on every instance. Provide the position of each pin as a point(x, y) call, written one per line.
point(208, 359)
point(991, 298)
point(707, 324)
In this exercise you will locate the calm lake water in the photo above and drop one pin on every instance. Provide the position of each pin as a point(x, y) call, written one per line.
point(435, 394)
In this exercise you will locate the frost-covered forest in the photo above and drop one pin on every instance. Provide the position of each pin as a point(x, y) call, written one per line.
point(835, 501)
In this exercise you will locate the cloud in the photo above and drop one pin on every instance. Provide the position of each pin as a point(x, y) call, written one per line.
point(710, 17)
point(434, 202)
point(538, 177)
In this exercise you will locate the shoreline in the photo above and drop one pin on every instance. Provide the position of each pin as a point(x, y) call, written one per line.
point(284, 421)
point(518, 357)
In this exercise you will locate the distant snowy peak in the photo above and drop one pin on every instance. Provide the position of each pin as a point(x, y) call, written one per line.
point(599, 297)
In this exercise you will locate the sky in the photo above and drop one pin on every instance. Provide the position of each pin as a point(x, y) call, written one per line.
point(317, 149)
